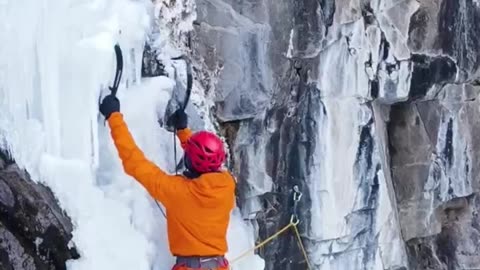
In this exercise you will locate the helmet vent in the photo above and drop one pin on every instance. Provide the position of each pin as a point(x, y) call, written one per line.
point(205, 151)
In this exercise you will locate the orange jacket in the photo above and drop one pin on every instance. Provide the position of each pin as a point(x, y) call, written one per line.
point(198, 210)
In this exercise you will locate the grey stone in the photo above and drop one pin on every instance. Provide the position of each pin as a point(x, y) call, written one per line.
point(243, 87)
point(6, 195)
point(14, 255)
point(394, 20)
point(448, 28)
point(457, 245)
point(430, 146)
point(369, 106)
point(410, 143)
point(151, 66)
point(29, 212)
point(429, 74)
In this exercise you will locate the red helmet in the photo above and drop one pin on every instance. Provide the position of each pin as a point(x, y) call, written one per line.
point(205, 151)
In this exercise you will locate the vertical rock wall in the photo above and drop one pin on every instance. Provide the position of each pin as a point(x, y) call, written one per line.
point(370, 107)
point(34, 232)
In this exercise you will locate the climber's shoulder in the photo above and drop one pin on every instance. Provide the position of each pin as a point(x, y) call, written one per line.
point(227, 177)
point(220, 179)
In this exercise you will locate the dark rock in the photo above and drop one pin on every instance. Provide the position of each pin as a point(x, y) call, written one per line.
point(433, 171)
point(307, 37)
point(5, 159)
point(448, 28)
point(328, 10)
point(296, 76)
point(458, 29)
point(34, 231)
point(151, 66)
point(14, 255)
point(291, 137)
point(457, 245)
point(235, 46)
point(428, 71)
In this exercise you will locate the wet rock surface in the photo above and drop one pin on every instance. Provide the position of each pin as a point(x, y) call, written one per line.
point(34, 231)
point(370, 107)
point(456, 245)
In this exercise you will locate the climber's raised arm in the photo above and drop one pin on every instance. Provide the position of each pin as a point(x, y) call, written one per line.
point(168, 189)
point(179, 120)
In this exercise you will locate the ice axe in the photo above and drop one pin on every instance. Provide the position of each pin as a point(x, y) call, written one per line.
point(118, 73)
point(175, 104)
point(189, 79)
point(119, 70)
point(169, 126)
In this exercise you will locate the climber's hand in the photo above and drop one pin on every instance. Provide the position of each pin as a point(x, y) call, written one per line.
point(110, 104)
point(178, 119)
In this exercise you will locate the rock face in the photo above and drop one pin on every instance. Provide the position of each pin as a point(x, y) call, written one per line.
point(34, 232)
point(370, 107)
point(456, 245)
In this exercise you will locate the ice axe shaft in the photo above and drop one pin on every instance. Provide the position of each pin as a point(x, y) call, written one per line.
point(118, 73)
point(189, 79)
point(119, 70)
point(183, 106)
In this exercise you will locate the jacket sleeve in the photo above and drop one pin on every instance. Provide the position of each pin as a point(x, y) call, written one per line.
point(163, 187)
point(184, 135)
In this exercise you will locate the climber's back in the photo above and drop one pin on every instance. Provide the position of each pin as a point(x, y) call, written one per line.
point(198, 219)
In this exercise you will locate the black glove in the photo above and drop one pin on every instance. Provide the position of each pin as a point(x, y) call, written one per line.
point(110, 104)
point(178, 119)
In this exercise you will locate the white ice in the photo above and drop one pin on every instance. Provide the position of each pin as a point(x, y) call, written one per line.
point(56, 60)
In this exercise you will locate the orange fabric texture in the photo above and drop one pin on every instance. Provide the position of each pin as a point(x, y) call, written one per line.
point(198, 210)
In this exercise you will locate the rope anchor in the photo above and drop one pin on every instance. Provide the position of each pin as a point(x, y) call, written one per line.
point(294, 221)
point(297, 195)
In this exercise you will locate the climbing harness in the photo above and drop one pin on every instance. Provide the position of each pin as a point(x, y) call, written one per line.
point(294, 221)
point(208, 262)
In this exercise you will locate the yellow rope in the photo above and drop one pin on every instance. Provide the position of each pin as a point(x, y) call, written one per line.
point(291, 224)
point(263, 243)
point(302, 247)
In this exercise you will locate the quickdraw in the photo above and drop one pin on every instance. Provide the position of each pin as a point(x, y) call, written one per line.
point(294, 221)
point(297, 195)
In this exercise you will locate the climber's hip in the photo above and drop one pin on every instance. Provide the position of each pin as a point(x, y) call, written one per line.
point(199, 263)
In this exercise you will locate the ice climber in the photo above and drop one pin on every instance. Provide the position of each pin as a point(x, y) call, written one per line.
point(198, 203)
